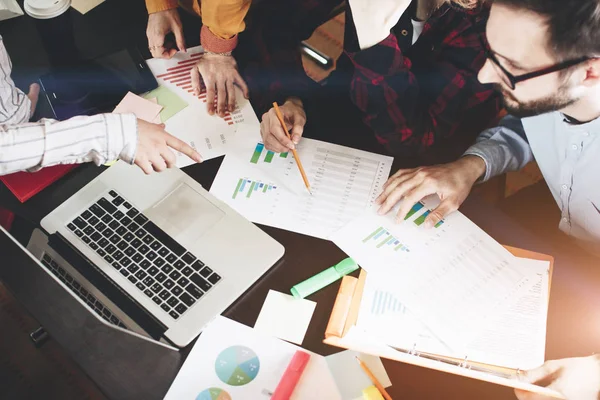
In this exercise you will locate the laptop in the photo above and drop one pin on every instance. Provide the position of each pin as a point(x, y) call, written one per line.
point(156, 253)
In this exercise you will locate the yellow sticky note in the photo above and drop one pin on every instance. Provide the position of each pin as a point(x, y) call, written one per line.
point(371, 393)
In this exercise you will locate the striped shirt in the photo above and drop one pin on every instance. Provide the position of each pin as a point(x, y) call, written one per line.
point(31, 146)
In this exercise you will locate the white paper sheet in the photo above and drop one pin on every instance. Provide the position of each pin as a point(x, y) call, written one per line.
point(454, 278)
point(267, 188)
point(349, 376)
point(235, 360)
point(285, 317)
point(208, 134)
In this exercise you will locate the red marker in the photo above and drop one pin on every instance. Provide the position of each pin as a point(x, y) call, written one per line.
point(291, 376)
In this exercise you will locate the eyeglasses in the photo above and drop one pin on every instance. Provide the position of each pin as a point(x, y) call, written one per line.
point(511, 81)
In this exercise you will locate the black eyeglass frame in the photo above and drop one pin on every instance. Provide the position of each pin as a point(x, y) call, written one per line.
point(513, 80)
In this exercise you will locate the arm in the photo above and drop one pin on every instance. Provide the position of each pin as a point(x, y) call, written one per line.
point(15, 106)
point(154, 6)
point(503, 148)
point(222, 20)
point(388, 92)
point(99, 138)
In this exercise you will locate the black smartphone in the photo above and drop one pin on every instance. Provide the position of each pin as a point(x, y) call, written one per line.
point(97, 85)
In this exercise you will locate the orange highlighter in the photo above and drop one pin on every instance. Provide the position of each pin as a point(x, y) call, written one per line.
point(291, 376)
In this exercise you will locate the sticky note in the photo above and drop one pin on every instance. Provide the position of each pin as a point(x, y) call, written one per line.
point(285, 317)
point(371, 393)
point(83, 6)
point(142, 108)
point(171, 103)
point(349, 376)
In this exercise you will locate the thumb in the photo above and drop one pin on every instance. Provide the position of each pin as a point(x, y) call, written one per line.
point(296, 132)
point(179, 39)
point(545, 374)
point(436, 215)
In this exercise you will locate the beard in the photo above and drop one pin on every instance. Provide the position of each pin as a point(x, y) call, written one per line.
point(557, 101)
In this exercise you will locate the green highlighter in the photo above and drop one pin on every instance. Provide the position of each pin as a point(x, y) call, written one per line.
point(322, 279)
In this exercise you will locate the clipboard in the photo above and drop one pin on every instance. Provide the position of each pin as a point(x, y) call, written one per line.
point(340, 332)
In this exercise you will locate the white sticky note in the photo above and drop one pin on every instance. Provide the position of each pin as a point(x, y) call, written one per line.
point(350, 377)
point(285, 317)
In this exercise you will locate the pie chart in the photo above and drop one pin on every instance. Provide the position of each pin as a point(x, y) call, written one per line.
point(213, 394)
point(237, 365)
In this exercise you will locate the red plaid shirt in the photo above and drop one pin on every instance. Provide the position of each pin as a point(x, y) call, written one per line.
point(416, 96)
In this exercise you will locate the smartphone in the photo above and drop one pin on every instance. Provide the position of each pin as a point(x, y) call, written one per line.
point(97, 85)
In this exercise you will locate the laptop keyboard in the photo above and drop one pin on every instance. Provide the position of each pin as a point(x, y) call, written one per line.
point(148, 257)
point(80, 291)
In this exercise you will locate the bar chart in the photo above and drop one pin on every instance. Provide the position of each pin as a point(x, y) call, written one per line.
point(420, 218)
point(384, 303)
point(382, 237)
point(268, 157)
point(253, 187)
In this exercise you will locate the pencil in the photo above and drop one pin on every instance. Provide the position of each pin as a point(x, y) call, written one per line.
point(298, 162)
point(373, 379)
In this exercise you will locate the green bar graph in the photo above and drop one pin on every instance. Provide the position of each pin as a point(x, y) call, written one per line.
point(257, 152)
point(283, 155)
point(269, 156)
point(439, 224)
point(413, 210)
point(365, 240)
point(265, 187)
point(237, 188)
point(419, 221)
point(251, 190)
point(384, 241)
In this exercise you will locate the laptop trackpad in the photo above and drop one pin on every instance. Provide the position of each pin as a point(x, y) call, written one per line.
point(185, 215)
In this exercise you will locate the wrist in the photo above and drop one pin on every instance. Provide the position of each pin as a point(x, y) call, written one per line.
point(473, 166)
point(295, 101)
point(212, 53)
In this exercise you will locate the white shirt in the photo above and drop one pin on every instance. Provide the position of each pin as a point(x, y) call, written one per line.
point(30, 146)
point(417, 29)
point(568, 156)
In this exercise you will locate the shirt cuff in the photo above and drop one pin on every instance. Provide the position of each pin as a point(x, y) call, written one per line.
point(122, 137)
point(216, 44)
point(155, 6)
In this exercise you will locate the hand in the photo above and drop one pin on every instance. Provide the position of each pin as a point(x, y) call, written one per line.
point(220, 74)
point(451, 182)
point(272, 133)
point(154, 148)
point(34, 94)
point(576, 378)
point(160, 24)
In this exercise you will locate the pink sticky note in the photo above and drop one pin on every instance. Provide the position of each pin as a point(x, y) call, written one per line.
point(142, 108)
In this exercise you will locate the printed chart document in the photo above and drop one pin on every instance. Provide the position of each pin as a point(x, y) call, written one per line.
point(516, 338)
point(267, 187)
point(453, 277)
point(208, 134)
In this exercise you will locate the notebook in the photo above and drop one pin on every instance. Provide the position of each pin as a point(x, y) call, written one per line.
point(25, 185)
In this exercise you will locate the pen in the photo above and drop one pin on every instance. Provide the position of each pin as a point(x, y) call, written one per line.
point(298, 162)
point(378, 385)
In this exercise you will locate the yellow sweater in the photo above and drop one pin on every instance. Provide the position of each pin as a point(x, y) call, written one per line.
point(223, 19)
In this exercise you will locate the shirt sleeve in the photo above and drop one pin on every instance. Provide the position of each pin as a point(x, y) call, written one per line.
point(503, 148)
point(100, 138)
point(15, 106)
point(389, 94)
point(154, 6)
point(222, 20)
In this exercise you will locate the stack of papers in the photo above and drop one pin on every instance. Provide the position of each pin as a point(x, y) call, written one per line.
point(449, 290)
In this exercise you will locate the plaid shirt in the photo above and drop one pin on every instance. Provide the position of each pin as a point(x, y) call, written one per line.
point(415, 97)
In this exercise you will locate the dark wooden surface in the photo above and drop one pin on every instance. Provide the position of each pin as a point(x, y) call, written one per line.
point(573, 324)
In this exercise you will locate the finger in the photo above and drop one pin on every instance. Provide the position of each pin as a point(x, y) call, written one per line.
point(411, 197)
point(159, 51)
point(196, 85)
point(272, 144)
point(170, 53)
point(184, 148)
point(436, 215)
point(179, 38)
point(230, 96)
point(158, 163)
point(221, 98)
point(210, 96)
point(169, 157)
point(144, 165)
point(398, 174)
point(277, 131)
point(543, 373)
point(298, 127)
point(395, 196)
point(33, 95)
point(392, 184)
point(242, 85)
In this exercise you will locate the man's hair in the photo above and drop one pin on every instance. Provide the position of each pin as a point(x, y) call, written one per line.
point(574, 25)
